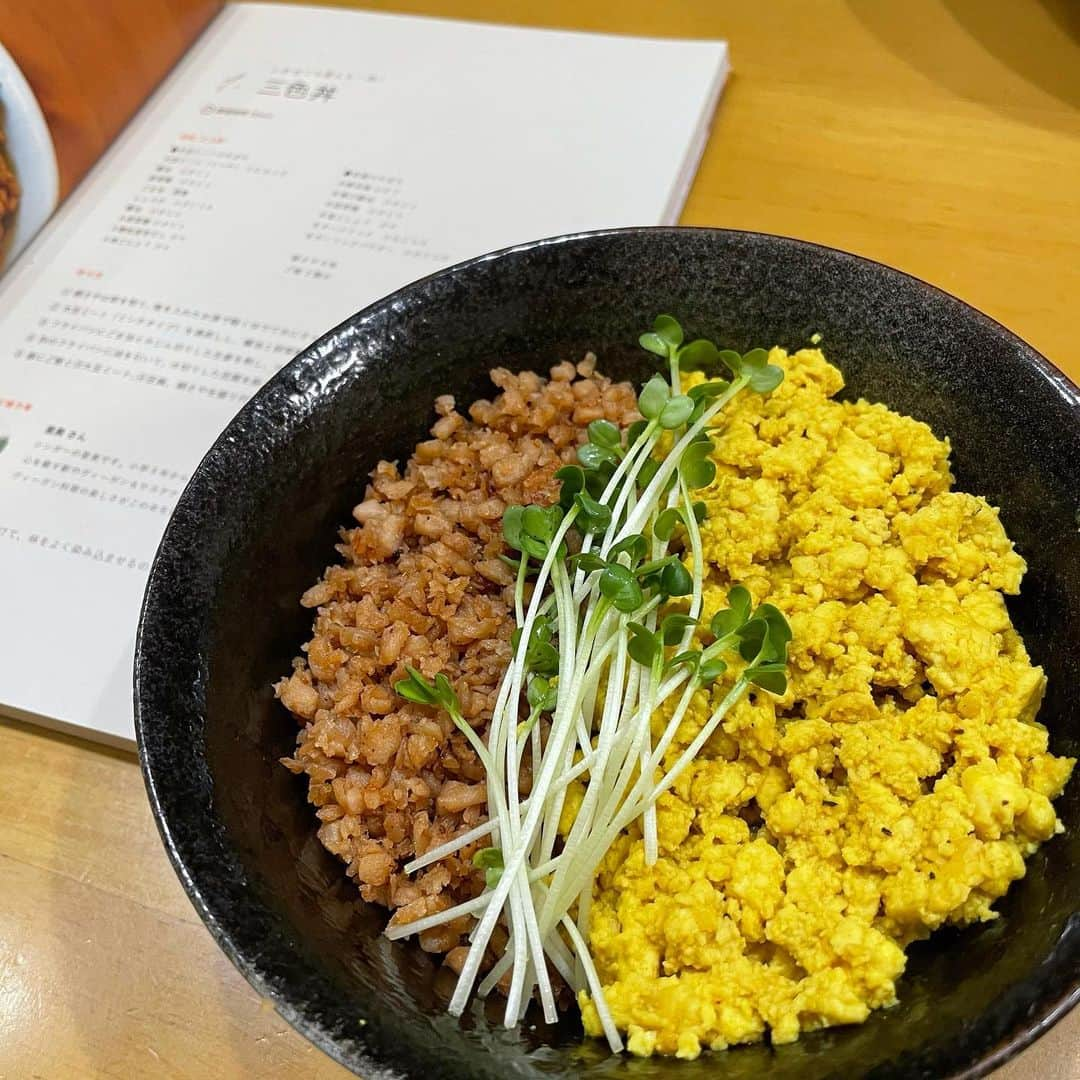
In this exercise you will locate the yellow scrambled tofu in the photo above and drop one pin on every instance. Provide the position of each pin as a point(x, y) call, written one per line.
point(899, 783)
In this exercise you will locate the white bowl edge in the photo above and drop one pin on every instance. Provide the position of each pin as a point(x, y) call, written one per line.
point(30, 150)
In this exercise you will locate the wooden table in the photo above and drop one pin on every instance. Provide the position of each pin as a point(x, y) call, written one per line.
point(940, 136)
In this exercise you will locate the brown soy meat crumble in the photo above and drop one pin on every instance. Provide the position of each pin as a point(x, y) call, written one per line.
point(420, 582)
point(9, 195)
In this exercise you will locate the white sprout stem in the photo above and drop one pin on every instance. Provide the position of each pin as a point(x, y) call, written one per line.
point(519, 589)
point(558, 953)
point(443, 851)
point(649, 830)
point(633, 459)
point(536, 889)
point(671, 462)
point(628, 494)
point(466, 907)
point(607, 1022)
point(557, 739)
point(631, 809)
point(550, 830)
point(648, 825)
point(693, 531)
point(396, 931)
point(592, 794)
point(524, 937)
point(616, 805)
point(673, 724)
point(691, 750)
point(454, 845)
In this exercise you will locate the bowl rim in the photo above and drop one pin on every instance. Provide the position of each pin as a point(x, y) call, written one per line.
point(273, 988)
point(33, 159)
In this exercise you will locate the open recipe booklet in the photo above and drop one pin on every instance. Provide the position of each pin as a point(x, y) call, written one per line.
point(298, 164)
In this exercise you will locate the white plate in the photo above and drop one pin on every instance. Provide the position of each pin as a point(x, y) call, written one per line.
point(30, 150)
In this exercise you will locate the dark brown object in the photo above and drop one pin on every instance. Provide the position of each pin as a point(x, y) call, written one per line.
point(421, 584)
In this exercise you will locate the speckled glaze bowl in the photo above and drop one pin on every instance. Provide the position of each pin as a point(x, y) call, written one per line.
point(258, 522)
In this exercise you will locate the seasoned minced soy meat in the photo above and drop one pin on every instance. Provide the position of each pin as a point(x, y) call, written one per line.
point(897, 784)
point(420, 582)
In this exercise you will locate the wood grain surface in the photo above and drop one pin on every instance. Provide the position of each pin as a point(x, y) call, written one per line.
point(92, 64)
point(940, 136)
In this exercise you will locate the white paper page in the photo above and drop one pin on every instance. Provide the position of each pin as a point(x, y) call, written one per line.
point(297, 165)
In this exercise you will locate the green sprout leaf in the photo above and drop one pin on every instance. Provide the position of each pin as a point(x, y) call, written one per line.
point(619, 585)
point(541, 694)
point(767, 378)
point(690, 659)
point(778, 635)
point(739, 600)
point(696, 467)
point(654, 344)
point(490, 860)
point(711, 670)
point(541, 656)
point(535, 521)
point(538, 526)
point(665, 522)
point(643, 645)
point(708, 390)
point(731, 360)
point(653, 397)
point(649, 573)
point(752, 636)
point(593, 516)
point(489, 856)
point(635, 545)
point(770, 676)
point(440, 692)
point(605, 434)
point(596, 480)
point(728, 620)
point(724, 623)
point(635, 431)
point(668, 330)
point(649, 468)
point(592, 456)
point(674, 627)
point(755, 360)
point(676, 412)
point(541, 521)
point(530, 545)
point(701, 511)
point(573, 481)
point(698, 354)
point(675, 580)
point(512, 516)
point(588, 561)
point(445, 695)
point(416, 688)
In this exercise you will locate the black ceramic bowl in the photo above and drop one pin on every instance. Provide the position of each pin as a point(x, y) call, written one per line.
point(257, 525)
